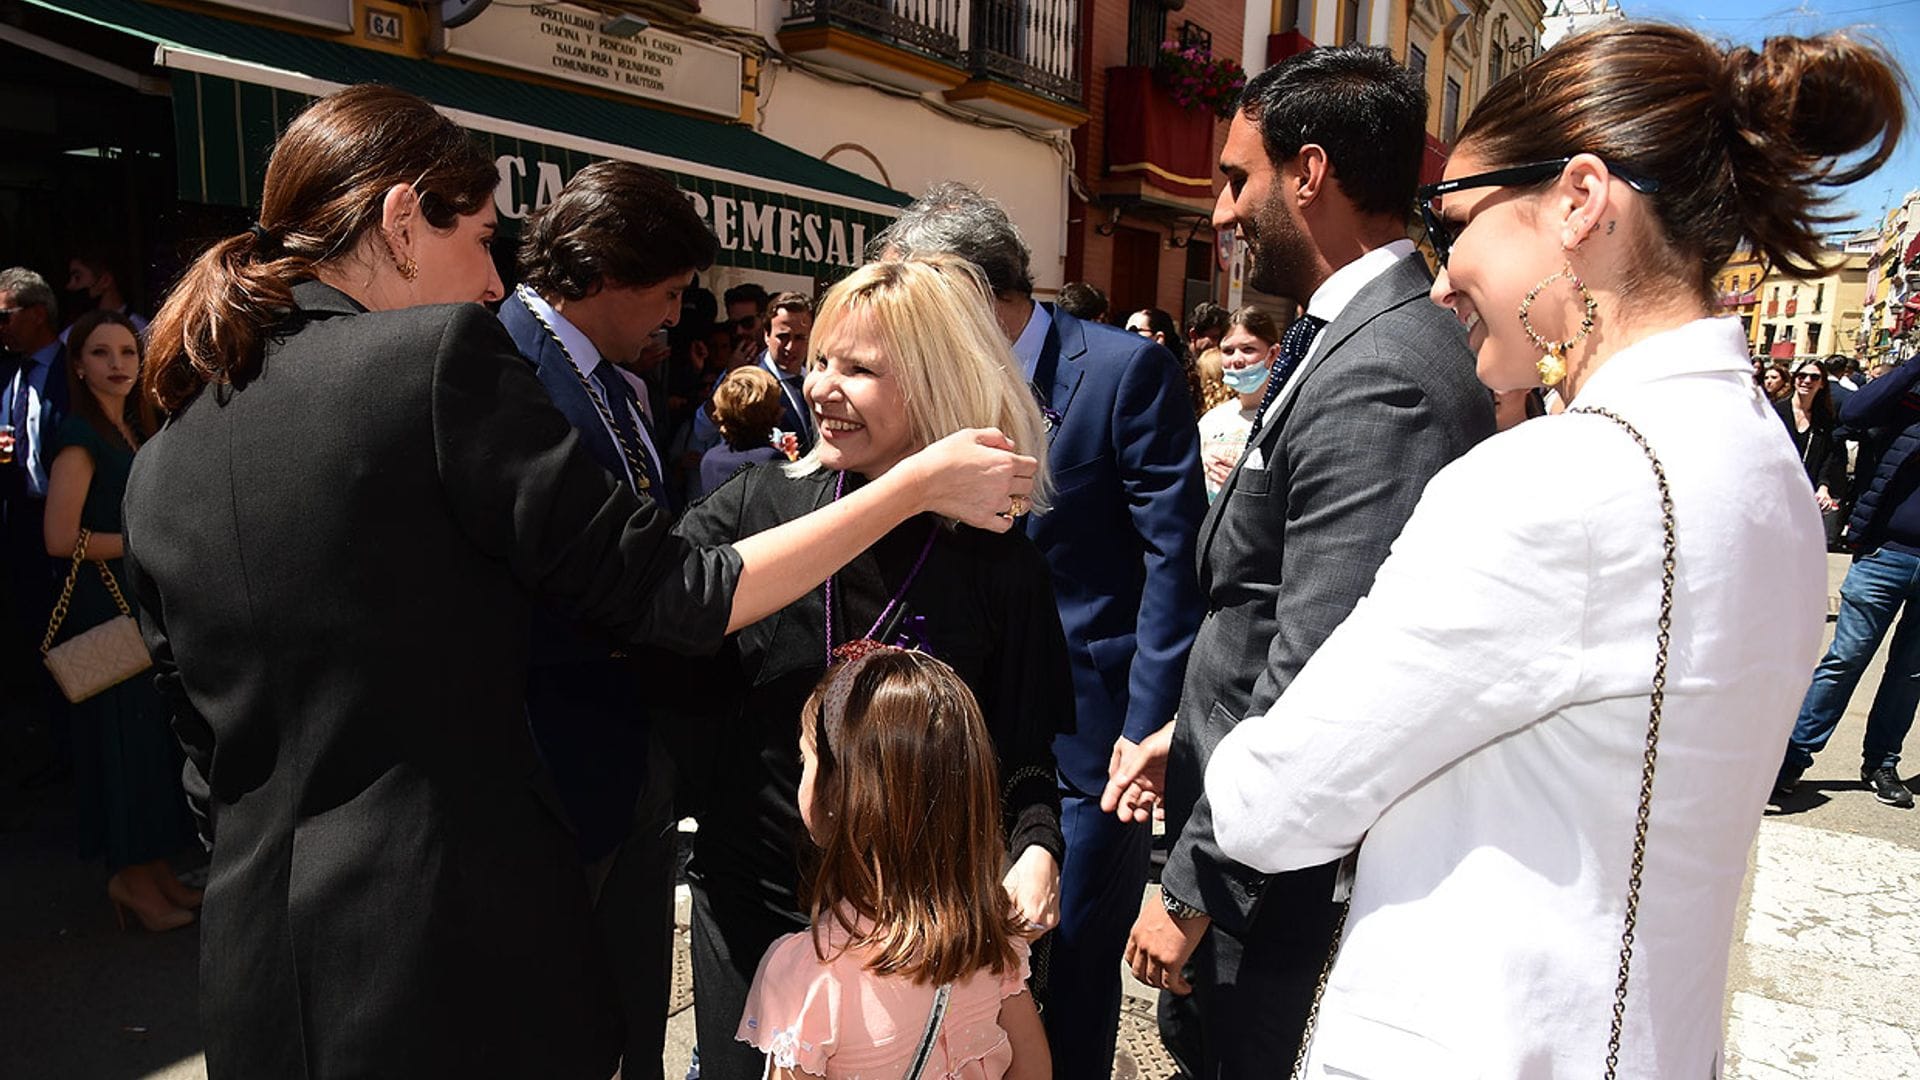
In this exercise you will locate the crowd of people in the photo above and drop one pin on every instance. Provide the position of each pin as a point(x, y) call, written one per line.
point(925, 598)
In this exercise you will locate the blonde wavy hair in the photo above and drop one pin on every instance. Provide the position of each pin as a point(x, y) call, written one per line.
point(954, 366)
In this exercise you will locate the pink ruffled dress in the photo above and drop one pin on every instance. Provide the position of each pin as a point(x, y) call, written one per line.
point(839, 1020)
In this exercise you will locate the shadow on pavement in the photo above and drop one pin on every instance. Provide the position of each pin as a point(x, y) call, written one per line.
point(80, 998)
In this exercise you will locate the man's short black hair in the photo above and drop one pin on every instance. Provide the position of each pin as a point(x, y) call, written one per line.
point(1083, 301)
point(616, 222)
point(749, 293)
point(1368, 112)
point(1838, 365)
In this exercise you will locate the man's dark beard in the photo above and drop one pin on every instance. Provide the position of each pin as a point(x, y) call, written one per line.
point(1278, 251)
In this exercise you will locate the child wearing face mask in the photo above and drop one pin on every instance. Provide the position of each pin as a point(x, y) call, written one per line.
point(1247, 352)
point(915, 965)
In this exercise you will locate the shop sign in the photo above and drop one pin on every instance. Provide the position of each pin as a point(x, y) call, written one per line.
point(756, 228)
point(565, 42)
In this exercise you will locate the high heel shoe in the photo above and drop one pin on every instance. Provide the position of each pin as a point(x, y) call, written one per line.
point(152, 911)
point(176, 892)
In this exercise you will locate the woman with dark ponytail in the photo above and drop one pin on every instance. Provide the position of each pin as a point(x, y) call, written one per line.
point(1554, 720)
point(336, 543)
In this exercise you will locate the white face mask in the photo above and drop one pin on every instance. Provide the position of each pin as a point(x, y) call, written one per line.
point(1246, 380)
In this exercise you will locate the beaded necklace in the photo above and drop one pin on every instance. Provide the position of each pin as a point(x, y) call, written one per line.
point(839, 488)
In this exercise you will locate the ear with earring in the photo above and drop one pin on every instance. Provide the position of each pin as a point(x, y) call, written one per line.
point(407, 267)
point(1553, 361)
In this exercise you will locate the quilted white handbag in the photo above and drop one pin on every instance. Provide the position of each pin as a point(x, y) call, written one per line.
point(108, 654)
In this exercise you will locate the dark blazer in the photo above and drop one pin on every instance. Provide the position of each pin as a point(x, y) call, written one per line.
point(585, 706)
point(1128, 497)
point(1288, 549)
point(1823, 451)
point(336, 565)
point(54, 404)
point(790, 413)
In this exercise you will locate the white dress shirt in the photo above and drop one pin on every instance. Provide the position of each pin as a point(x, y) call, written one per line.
point(1480, 720)
point(588, 358)
point(1330, 300)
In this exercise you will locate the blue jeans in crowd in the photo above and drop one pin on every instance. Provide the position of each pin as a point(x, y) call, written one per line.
point(1870, 598)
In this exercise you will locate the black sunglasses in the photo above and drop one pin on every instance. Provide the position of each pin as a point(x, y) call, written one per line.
point(1441, 236)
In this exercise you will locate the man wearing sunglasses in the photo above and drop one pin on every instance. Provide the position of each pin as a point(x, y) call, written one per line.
point(1373, 393)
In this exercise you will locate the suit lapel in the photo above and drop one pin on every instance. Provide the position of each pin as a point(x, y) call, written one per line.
point(1059, 371)
point(1403, 283)
point(558, 375)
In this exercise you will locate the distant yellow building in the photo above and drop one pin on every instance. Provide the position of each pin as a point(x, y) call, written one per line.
point(1817, 317)
point(1736, 291)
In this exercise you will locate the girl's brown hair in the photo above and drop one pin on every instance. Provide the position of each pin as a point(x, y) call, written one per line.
point(325, 187)
point(1255, 320)
point(746, 405)
point(1738, 140)
point(906, 812)
point(140, 414)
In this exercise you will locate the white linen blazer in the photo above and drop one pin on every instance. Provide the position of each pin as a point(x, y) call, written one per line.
point(1480, 720)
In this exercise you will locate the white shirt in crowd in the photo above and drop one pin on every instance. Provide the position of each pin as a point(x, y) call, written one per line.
point(1476, 728)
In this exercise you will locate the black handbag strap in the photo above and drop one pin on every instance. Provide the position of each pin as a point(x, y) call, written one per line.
point(934, 1019)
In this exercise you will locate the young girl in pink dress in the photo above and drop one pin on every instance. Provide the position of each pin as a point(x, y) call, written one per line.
point(915, 967)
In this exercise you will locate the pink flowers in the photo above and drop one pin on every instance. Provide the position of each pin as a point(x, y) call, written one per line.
point(1196, 79)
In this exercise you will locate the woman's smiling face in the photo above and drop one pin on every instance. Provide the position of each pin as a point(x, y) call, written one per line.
point(858, 405)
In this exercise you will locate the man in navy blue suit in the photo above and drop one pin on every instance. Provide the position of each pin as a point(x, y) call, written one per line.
point(603, 268)
point(789, 327)
point(1128, 498)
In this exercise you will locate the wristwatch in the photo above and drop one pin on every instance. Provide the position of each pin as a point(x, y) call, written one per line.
point(1178, 908)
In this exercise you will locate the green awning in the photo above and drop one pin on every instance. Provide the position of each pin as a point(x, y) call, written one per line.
point(236, 86)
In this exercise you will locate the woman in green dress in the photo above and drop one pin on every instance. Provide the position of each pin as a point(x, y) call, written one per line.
point(126, 762)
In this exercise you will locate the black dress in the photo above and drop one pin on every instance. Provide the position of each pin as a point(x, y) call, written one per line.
point(126, 762)
point(983, 602)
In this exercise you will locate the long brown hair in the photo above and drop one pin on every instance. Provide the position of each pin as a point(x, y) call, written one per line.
point(140, 414)
point(1739, 141)
point(906, 808)
point(325, 187)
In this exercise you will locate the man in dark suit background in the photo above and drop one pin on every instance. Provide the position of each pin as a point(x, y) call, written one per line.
point(604, 266)
point(1124, 451)
point(789, 328)
point(33, 401)
point(1373, 393)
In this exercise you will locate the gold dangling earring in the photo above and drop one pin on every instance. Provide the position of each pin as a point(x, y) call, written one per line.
point(1553, 361)
point(407, 267)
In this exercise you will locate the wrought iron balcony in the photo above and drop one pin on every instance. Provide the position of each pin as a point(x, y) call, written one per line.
point(932, 27)
point(1031, 44)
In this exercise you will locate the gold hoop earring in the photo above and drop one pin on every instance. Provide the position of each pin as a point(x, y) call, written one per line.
point(1553, 361)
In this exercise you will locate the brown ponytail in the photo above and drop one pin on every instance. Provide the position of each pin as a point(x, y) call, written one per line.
point(324, 189)
point(1739, 142)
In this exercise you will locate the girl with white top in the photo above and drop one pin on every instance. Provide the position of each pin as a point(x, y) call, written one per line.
point(1483, 718)
point(1247, 352)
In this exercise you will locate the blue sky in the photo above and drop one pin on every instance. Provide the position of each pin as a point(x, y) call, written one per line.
point(1894, 23)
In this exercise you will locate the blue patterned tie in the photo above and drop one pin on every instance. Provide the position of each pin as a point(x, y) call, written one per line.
point(622, 403)
point(1293, 349)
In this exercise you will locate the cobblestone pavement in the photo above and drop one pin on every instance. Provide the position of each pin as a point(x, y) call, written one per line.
point(1823, 981)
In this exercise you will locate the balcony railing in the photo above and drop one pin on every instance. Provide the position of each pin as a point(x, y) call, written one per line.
point(933, 27)
point(1031, 43)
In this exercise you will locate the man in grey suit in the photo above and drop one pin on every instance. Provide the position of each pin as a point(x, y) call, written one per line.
point(1373, 393)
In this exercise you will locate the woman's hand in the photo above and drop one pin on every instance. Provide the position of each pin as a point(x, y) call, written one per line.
point(1824, 498)
point(972, 476)
point(1034, 886)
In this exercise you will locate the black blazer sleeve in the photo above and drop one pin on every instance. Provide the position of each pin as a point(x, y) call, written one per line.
point(192, 729)
point(524, 490)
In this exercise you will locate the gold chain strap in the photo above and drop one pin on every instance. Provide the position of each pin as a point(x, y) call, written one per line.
point(1664, 639)
point(631, 452)
point(66, 591)
point(1651, 757)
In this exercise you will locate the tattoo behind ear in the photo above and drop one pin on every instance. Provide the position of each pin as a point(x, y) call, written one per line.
point(1610, 226)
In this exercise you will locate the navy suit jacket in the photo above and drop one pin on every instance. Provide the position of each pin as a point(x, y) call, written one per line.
point(584, 705)
point(1127, 504)
point(53, 409)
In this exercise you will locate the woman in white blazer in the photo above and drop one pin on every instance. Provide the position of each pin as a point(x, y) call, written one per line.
point(1478, 727)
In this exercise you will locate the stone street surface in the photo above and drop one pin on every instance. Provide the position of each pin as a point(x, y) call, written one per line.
point(1825, 976)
